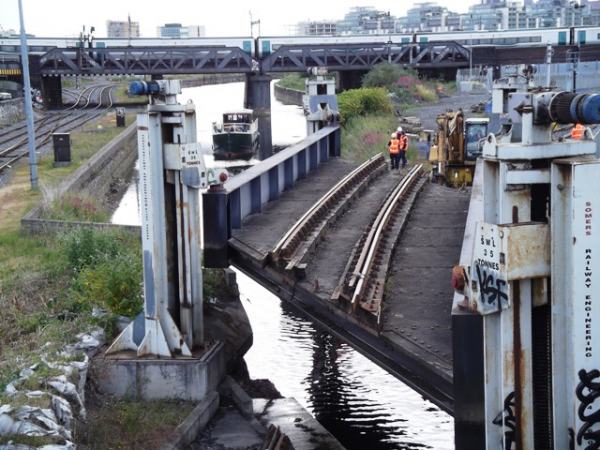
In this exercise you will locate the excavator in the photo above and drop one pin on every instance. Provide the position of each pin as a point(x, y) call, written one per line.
point(456, 146)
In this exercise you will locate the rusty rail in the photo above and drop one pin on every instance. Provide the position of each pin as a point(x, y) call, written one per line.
point(304, 235)
point(363, 280)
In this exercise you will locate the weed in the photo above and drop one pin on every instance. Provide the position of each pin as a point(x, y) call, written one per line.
point(293, 81)
point(115, 284)
point(119, 424)
point(360, 102)
point(80, 207)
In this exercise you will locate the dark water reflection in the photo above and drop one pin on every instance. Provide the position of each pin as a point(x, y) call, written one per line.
point(358, 402)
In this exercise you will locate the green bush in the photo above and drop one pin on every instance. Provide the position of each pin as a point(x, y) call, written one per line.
point(115, 283)
point(107, 269)
point(360, 102)
point(85, 247)
point(385, 75)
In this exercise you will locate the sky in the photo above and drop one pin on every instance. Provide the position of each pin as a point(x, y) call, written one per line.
point(49, 18)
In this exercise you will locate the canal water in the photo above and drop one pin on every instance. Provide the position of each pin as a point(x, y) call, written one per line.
point(362, 405)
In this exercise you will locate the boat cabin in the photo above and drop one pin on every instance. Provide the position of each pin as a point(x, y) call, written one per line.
point(236, 122)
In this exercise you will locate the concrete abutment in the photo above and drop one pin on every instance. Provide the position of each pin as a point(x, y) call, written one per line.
point(258, 98)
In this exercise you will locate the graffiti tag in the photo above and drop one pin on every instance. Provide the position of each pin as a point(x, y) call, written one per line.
point(588, 391)
point(508, 420)
point(491, 288)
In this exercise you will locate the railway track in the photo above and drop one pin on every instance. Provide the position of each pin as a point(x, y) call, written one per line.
point(85, 98)
point(362, 283)
point(294, 247)
point(13, 141)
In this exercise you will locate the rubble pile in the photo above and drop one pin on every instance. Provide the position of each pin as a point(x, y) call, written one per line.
point(39, 408)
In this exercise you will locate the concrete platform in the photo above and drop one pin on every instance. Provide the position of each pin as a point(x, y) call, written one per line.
point(192, 379)
point(415, 341)
point(304, 431)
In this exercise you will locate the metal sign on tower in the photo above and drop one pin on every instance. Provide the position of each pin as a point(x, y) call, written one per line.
point(534, 274)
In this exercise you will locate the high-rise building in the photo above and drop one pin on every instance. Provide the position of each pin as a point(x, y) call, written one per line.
point(122, 29)
point(316, 28)
point(366, 20)
point(178, 31)
point(428, 16)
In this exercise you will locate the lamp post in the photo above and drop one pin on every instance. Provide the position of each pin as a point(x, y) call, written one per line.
point(33, 175)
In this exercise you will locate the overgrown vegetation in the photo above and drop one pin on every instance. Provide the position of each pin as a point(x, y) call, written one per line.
point(363, 137)
point(404, 85)
point(80, 207)
point(50, 285)
point(131, 425)
point(367, 114)
point(361, 102)
point(293, 81)
point(43, 302)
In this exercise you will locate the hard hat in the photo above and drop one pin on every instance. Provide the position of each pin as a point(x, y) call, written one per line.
point(399, 129)
point(393, 135)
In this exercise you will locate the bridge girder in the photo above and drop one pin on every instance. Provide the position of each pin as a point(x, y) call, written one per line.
point(364, 56)
point(146, 61)
point(221, 59)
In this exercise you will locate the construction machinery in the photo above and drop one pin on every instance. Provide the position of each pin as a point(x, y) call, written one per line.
point(456, 146)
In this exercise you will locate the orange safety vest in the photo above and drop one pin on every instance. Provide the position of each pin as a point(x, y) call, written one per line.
point(403, 142)
point(394, 147)
point(577, 132)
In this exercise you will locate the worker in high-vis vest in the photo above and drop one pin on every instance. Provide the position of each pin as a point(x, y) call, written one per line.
point(577, 132)
point(394, 149)
point(403, 138)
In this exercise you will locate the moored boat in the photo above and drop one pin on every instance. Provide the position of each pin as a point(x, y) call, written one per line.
point(236, 137)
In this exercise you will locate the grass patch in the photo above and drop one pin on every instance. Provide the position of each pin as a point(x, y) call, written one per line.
point(364, 137)
point(69, 82)
point(80, 207)
point(131, 425)
point(44, 296)
point(121, 95)
point(85, 143)
point(294, 81)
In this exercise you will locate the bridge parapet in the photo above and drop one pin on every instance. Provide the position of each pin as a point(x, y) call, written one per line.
point(249, 191)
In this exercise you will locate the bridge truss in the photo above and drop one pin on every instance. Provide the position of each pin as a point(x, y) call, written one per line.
point(146, 61)
point(221, 59)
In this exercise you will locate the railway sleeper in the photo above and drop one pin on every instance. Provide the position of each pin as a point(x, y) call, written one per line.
point(371, 299)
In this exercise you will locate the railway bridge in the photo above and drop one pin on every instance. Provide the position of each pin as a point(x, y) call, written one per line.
point(352, 60)
point(320, 232)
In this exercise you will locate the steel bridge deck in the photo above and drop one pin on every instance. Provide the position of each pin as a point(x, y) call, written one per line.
point(420, 358)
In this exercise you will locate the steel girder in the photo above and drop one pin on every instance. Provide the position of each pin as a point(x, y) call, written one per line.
point(146, 61)
point(364, 56)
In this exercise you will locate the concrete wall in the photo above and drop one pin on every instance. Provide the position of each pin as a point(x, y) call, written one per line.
point(103, 174)
point(11, 111)
point(288, 96)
